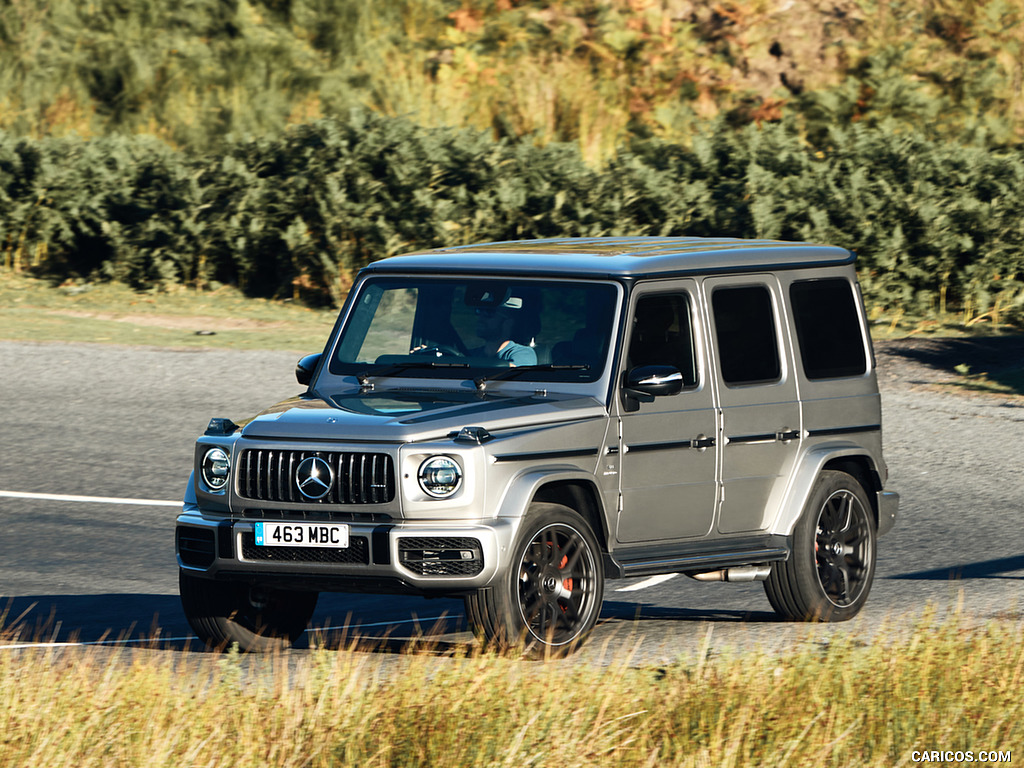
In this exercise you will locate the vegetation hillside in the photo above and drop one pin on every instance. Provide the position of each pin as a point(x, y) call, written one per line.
point(280, 145)
point(195, 72)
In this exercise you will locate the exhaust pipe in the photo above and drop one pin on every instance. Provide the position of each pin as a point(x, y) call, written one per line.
point(742, 573)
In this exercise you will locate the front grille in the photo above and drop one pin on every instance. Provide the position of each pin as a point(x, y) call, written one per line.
point(359, 478)
point(356, 553)
point(441, 556)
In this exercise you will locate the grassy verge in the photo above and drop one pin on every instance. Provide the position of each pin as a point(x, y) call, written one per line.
point(32, 310)
point(945, 686)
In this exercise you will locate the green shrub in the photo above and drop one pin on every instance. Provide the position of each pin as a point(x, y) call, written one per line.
point(937, 226)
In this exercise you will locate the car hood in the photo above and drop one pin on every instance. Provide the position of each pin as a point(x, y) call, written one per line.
point(412, 415)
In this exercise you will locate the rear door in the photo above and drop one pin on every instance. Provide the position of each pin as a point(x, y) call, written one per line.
point(756, 391)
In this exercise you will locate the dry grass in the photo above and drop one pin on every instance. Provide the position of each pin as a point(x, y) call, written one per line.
point(943, 686)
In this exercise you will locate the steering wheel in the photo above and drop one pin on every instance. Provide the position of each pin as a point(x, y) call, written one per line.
point(436, 350)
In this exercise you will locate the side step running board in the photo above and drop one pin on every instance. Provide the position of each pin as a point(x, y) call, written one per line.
point(621, 566)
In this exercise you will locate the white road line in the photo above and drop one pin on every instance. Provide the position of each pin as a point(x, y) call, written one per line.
point(648, 582)
point(89, 499)
point(162, 640)
point(150, 641)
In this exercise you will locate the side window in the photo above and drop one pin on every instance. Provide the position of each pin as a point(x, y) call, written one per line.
point(828, 328)
point(663, 335)
point(748, 348)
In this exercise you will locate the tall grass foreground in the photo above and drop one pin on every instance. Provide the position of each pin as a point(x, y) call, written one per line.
point(831, 701)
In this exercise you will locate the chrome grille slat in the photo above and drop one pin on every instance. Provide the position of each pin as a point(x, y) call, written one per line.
point(279, 475)
point(359, 478)
point(374, 481)
point(362, 473)
point(350, 485)
point(291, 473)
point(245, 461)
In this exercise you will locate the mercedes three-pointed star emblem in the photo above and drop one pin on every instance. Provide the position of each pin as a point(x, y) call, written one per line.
point(314, 477)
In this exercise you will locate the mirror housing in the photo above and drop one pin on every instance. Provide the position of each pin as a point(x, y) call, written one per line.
point(305, 368)
point(645, 382)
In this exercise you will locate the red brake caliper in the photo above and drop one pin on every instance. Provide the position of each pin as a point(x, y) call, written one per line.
point(567, 583)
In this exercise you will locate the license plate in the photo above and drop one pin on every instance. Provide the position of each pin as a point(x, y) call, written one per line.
point(333, 535)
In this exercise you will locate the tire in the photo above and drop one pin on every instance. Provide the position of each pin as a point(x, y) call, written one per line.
point(829, 572)
point(258, 619)
point(549, 596)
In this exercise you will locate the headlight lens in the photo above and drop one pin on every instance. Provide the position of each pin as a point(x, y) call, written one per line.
point(216, 467)
point(440, 476)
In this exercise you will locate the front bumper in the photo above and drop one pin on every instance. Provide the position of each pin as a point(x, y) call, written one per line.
point(402, 556)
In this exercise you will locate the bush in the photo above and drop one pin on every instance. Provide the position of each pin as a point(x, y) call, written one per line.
point(936, 226)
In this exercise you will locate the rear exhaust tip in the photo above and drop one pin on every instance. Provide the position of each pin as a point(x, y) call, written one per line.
point(737, 575)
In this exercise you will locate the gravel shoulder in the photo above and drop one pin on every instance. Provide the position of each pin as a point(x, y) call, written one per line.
point(916, 363)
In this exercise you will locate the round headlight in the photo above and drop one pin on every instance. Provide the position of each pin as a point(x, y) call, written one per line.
point(440, 476)
point(216, 466)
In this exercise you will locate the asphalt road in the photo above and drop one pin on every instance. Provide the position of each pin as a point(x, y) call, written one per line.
point(119, 423)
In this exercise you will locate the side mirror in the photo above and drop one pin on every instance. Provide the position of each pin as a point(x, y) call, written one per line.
point(646, 382)
point(305, 367)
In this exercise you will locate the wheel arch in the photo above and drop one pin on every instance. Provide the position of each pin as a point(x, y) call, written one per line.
point(571, 488)
point(582, 497)
point(848, 458)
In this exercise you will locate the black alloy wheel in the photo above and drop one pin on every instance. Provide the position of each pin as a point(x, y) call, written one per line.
point(557, 576)
point(842, 548)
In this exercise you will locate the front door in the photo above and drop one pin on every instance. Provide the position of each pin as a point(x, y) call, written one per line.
point(667, 447)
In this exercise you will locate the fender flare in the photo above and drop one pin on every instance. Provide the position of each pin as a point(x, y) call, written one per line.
point(523, 488)
point(811, 464)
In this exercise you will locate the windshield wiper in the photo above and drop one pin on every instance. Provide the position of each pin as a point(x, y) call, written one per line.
point(364, 377)
point(511, 373)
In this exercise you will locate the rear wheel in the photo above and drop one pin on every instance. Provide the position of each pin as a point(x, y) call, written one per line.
point(549, 597)
point(258, 619)
point(829, 573)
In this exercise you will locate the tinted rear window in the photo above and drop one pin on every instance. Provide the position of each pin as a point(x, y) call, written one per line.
point(828, 328)
point(745, 327)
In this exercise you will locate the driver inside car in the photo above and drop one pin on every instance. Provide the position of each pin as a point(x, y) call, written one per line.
point(501, 328)
point(507, 325)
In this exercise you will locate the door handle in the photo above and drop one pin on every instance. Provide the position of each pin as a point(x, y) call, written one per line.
point(787, 434)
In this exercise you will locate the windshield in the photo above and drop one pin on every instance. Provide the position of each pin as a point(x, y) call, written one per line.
point(469, 327)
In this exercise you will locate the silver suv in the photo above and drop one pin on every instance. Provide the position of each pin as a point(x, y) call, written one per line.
point(515, 422)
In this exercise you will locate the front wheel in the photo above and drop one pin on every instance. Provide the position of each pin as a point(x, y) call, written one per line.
point(258, 619)
point(550, 595)
point(830, 570)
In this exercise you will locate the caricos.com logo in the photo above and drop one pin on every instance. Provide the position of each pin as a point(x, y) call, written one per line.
point(959, 756)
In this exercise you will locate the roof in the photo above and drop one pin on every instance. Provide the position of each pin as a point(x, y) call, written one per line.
point(618, 257)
